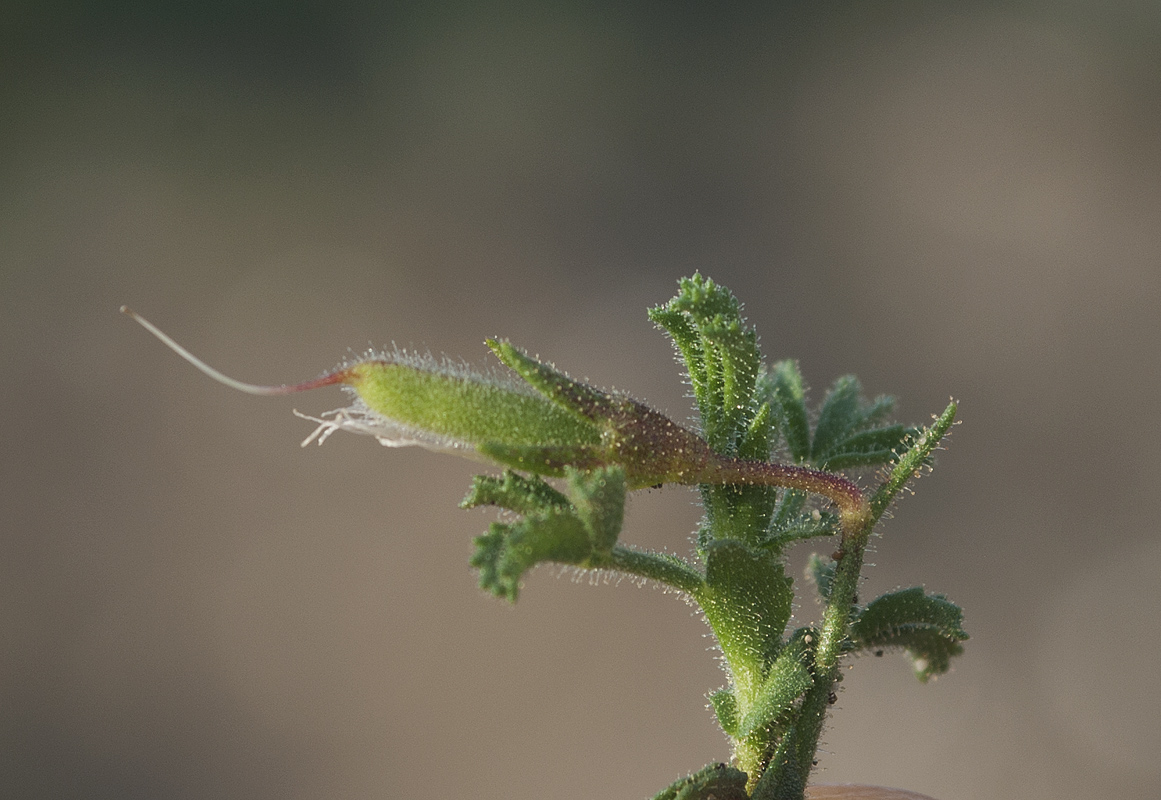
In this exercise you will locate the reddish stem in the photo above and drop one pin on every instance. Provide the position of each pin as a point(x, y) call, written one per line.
point(843, 492)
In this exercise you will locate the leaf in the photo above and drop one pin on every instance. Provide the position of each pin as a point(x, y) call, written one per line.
point(599, 500)
point(789, 509)
point(838, 415)
point(585, 402)
point(714, 782)
point(789, 401)
point(757, 440)
point(848, 434)
point(652, 448)
point(507, 551)
point(785, 777)
point(808, 526)
point(928, 627)
point(747, 600)
point(489, 560)
point(513, 492)
point(566, 530)
point(688, 343)
point(721, 357)
point(868, 447)
point(877, 410)
point(542, 459)
point(726, 708)
point(788, 680)
point(736, 347)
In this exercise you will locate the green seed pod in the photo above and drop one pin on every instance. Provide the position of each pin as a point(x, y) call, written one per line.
point(405, 399)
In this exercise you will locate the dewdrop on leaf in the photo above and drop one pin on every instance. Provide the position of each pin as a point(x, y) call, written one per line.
point(402, 399)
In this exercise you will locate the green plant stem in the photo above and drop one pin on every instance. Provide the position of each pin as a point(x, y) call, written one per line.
point(832, 635)
point(835, 627)
point(670, 570)
point(911, 461)
point(836, 618)
point(841, 491)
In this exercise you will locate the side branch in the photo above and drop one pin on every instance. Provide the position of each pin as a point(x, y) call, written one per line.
point(669, 570)
point(910, 462)
point(843, 492)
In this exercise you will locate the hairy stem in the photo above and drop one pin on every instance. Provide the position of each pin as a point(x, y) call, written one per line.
point(912, 460)
point(835, 627)
point(669, 570)
point(843, 492)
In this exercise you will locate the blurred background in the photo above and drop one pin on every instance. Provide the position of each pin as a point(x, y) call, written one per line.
point(945, 199)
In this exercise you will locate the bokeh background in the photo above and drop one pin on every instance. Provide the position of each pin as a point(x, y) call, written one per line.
point(945, 198)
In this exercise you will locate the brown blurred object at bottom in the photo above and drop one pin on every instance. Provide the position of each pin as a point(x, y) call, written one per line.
point(856, 791)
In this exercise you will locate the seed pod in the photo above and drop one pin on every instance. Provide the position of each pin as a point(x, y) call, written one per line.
point(405, 399)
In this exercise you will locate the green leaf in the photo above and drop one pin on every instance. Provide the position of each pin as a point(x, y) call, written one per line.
point(928, 627)
point(726, 708)
point(714, 782)
point(737, 350)
point(784, 778)
point(846, 434)
point(543, 459)
point(868, 448)
point(747, 599)
point(839, 414)
point(792, 521)
point(688, 343)
point(507, 551)
point(665, 568)
point(513, 492)
point(567, 530)
point(586, 403)
point(789, 509)
point(489, 559)
point(758, 438)
point(721, 357)
point(788, 680)
point(789, 401)
point(652, 448)
point(808, 526)
point(599, 500)
point(876, 411)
